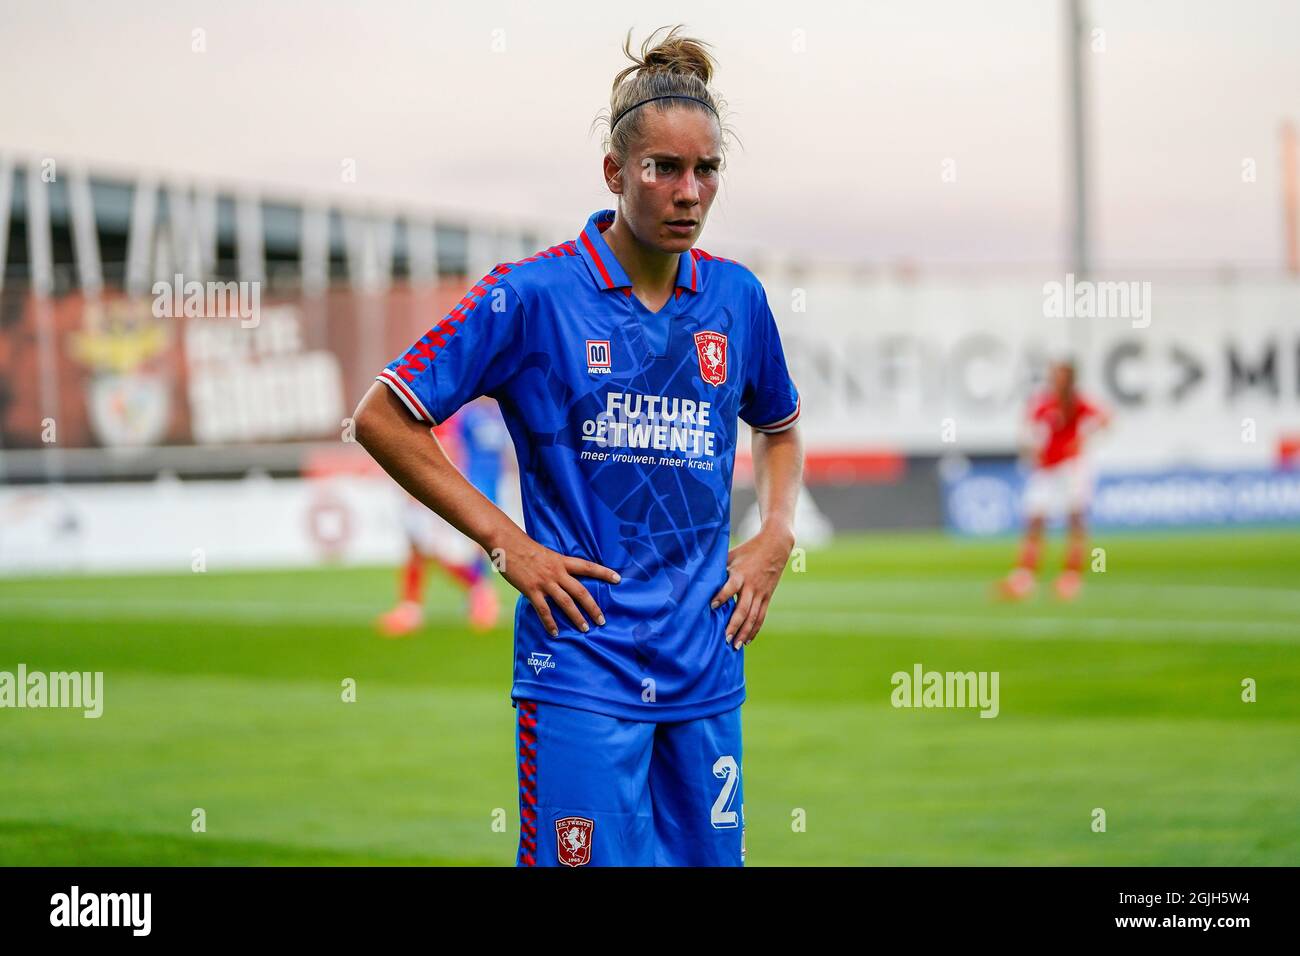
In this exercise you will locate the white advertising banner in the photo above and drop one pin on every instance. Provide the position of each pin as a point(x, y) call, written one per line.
point(1196, 374)
point(199, 526)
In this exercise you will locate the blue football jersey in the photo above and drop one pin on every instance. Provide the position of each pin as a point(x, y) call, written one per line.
point(624, 423)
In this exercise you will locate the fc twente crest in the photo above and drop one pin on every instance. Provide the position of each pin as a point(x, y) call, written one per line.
point(712, 350)
point(573, 840)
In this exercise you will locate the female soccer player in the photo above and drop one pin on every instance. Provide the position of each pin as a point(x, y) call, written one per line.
point(1059, 421)
point(622, 361)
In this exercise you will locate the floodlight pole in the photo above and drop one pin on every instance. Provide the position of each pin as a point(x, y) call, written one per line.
point(1290, 199)
point(1075, 30)
point(1080, 261)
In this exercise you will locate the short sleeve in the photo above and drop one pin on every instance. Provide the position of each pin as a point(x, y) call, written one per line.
point(770, 402)
point(472, 351)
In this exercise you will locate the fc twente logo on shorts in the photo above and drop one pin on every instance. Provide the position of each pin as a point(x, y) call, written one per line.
point(712, 350)
point(573, 840)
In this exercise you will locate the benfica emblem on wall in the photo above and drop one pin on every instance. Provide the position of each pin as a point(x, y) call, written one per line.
point(711, 347)
point(573, 840)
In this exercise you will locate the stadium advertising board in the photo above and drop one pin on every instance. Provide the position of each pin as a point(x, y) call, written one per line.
point(986, 499)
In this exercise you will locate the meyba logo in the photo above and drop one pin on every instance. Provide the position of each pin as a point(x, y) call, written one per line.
point(1098, 300)
point(102, 909)
point(599, 357)
point(923, 688)
point(539, 662)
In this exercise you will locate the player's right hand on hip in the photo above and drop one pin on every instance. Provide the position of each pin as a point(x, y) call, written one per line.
point(539, 573)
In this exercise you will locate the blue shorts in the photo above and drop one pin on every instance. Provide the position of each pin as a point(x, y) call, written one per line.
point(603, 791)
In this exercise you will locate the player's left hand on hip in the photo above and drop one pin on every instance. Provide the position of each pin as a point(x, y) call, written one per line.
point(753, 571)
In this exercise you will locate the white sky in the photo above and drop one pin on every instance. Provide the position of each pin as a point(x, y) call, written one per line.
point(843, 143)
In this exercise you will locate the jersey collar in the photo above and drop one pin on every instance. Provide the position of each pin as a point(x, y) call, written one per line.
point(605, 268)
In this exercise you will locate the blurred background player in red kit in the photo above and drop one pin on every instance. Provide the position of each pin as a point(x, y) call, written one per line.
point(475, 439)
point(1060, 421)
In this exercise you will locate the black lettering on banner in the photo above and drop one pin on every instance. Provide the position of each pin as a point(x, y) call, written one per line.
point(1241, 376)
point(1122, 352)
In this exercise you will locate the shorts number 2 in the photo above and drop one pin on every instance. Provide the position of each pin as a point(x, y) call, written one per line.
point(723, 817)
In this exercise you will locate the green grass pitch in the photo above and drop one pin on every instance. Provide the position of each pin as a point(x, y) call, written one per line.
point(223, 692)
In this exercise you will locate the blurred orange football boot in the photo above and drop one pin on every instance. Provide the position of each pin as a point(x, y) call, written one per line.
point(1068, 585)
point(401, 621)
point(1017, 585)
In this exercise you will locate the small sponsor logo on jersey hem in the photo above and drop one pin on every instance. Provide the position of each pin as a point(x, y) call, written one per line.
point(539, 662)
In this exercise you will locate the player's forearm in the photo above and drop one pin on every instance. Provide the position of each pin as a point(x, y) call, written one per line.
point(405, 449)
point(778, 474)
